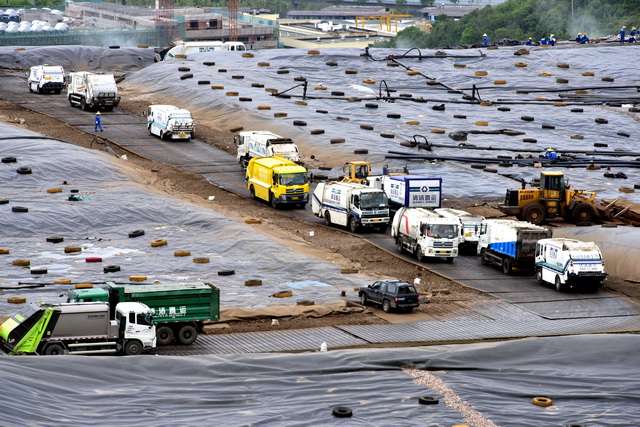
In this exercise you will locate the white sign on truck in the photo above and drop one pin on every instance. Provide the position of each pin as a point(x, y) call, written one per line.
point(260, 143)
point(569, 264)
point(411, 191)
point(424, 233)
point(170, 122)
point(351, 204)
point(46, 78)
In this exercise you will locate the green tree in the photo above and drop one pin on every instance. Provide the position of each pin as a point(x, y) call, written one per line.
point(401, 4)
point(427, 3)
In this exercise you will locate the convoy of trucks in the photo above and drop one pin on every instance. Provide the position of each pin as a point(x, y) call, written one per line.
point(179, 309)
point(170, 122)
point(260, 143)
point(569, 264)
point(46, 78)
point(278, 181)
point(351, 204)
point(510, 244)
point(92, 91)
point(79, 328)
point(426, 234)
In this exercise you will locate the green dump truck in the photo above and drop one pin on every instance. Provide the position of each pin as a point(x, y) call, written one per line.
point(79, 328)
point(179, 309)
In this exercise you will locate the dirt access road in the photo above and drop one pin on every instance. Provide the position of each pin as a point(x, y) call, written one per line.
point(344, 249)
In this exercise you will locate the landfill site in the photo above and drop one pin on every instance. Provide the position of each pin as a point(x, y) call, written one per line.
point(105, 211)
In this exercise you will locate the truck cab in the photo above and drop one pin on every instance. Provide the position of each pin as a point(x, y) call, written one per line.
point(278, 181)
point(426, 234)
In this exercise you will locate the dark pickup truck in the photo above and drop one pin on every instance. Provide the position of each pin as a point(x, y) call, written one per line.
point(391, 294)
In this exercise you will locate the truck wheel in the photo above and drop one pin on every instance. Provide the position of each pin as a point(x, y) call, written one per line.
point(583, 213)
point(559, 285)
point(363, 299)
point(386, 307)
point(274, 201)
point(253, 193)
point(133, 348)
point(30, 88)
point(54, 350)
point(164, 335)
point(83, 105)
point(535, 213)
point(483, 257)
point(539, 275)
point(71, 102)
point(187, 335)
point(327, 218)
point(506, 266)
point(353, 224)
point(419, 254)
point(399, 244)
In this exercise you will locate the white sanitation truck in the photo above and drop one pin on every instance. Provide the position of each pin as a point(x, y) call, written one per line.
point(351, 204)
point(170, 122)
point(569, 264)
point(92, 91)
point(426, 234)
point(260, 143)
point(471, 225)
point(185, 48)
point(46, 78)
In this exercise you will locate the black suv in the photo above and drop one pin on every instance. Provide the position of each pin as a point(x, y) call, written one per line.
point(391, 294)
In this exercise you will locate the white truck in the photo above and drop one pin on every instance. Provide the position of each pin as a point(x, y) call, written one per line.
point(260, 143)
point(170, 122)
point(569, 264)
point(510, 244)
point(426, 234)
point(470, 223)
point(410, 191)
point(92, 91)
point(185, 48)
point(46, 78)
point(351, 204)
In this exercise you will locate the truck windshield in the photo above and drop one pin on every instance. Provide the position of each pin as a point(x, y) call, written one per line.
point(293, 179)
point(442, 231)
point(373, 201)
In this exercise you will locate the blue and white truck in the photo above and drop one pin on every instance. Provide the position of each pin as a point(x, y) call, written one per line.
point(569, 264)
point(510, 244)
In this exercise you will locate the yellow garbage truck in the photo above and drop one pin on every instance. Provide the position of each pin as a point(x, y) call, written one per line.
point(278, 181)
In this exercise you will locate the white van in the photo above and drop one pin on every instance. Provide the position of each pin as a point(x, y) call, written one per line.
point(186, 48)
point(569, 263)
point(170, 122)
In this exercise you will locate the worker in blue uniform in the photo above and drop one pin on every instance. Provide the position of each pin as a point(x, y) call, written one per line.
point(552, 40)
point(579, 38)
point(622, 33)
point(529, 42)
point(485, 41)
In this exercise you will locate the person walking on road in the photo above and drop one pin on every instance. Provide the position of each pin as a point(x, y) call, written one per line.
point(98, 123)
point(622, 31)
point(485, 41)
